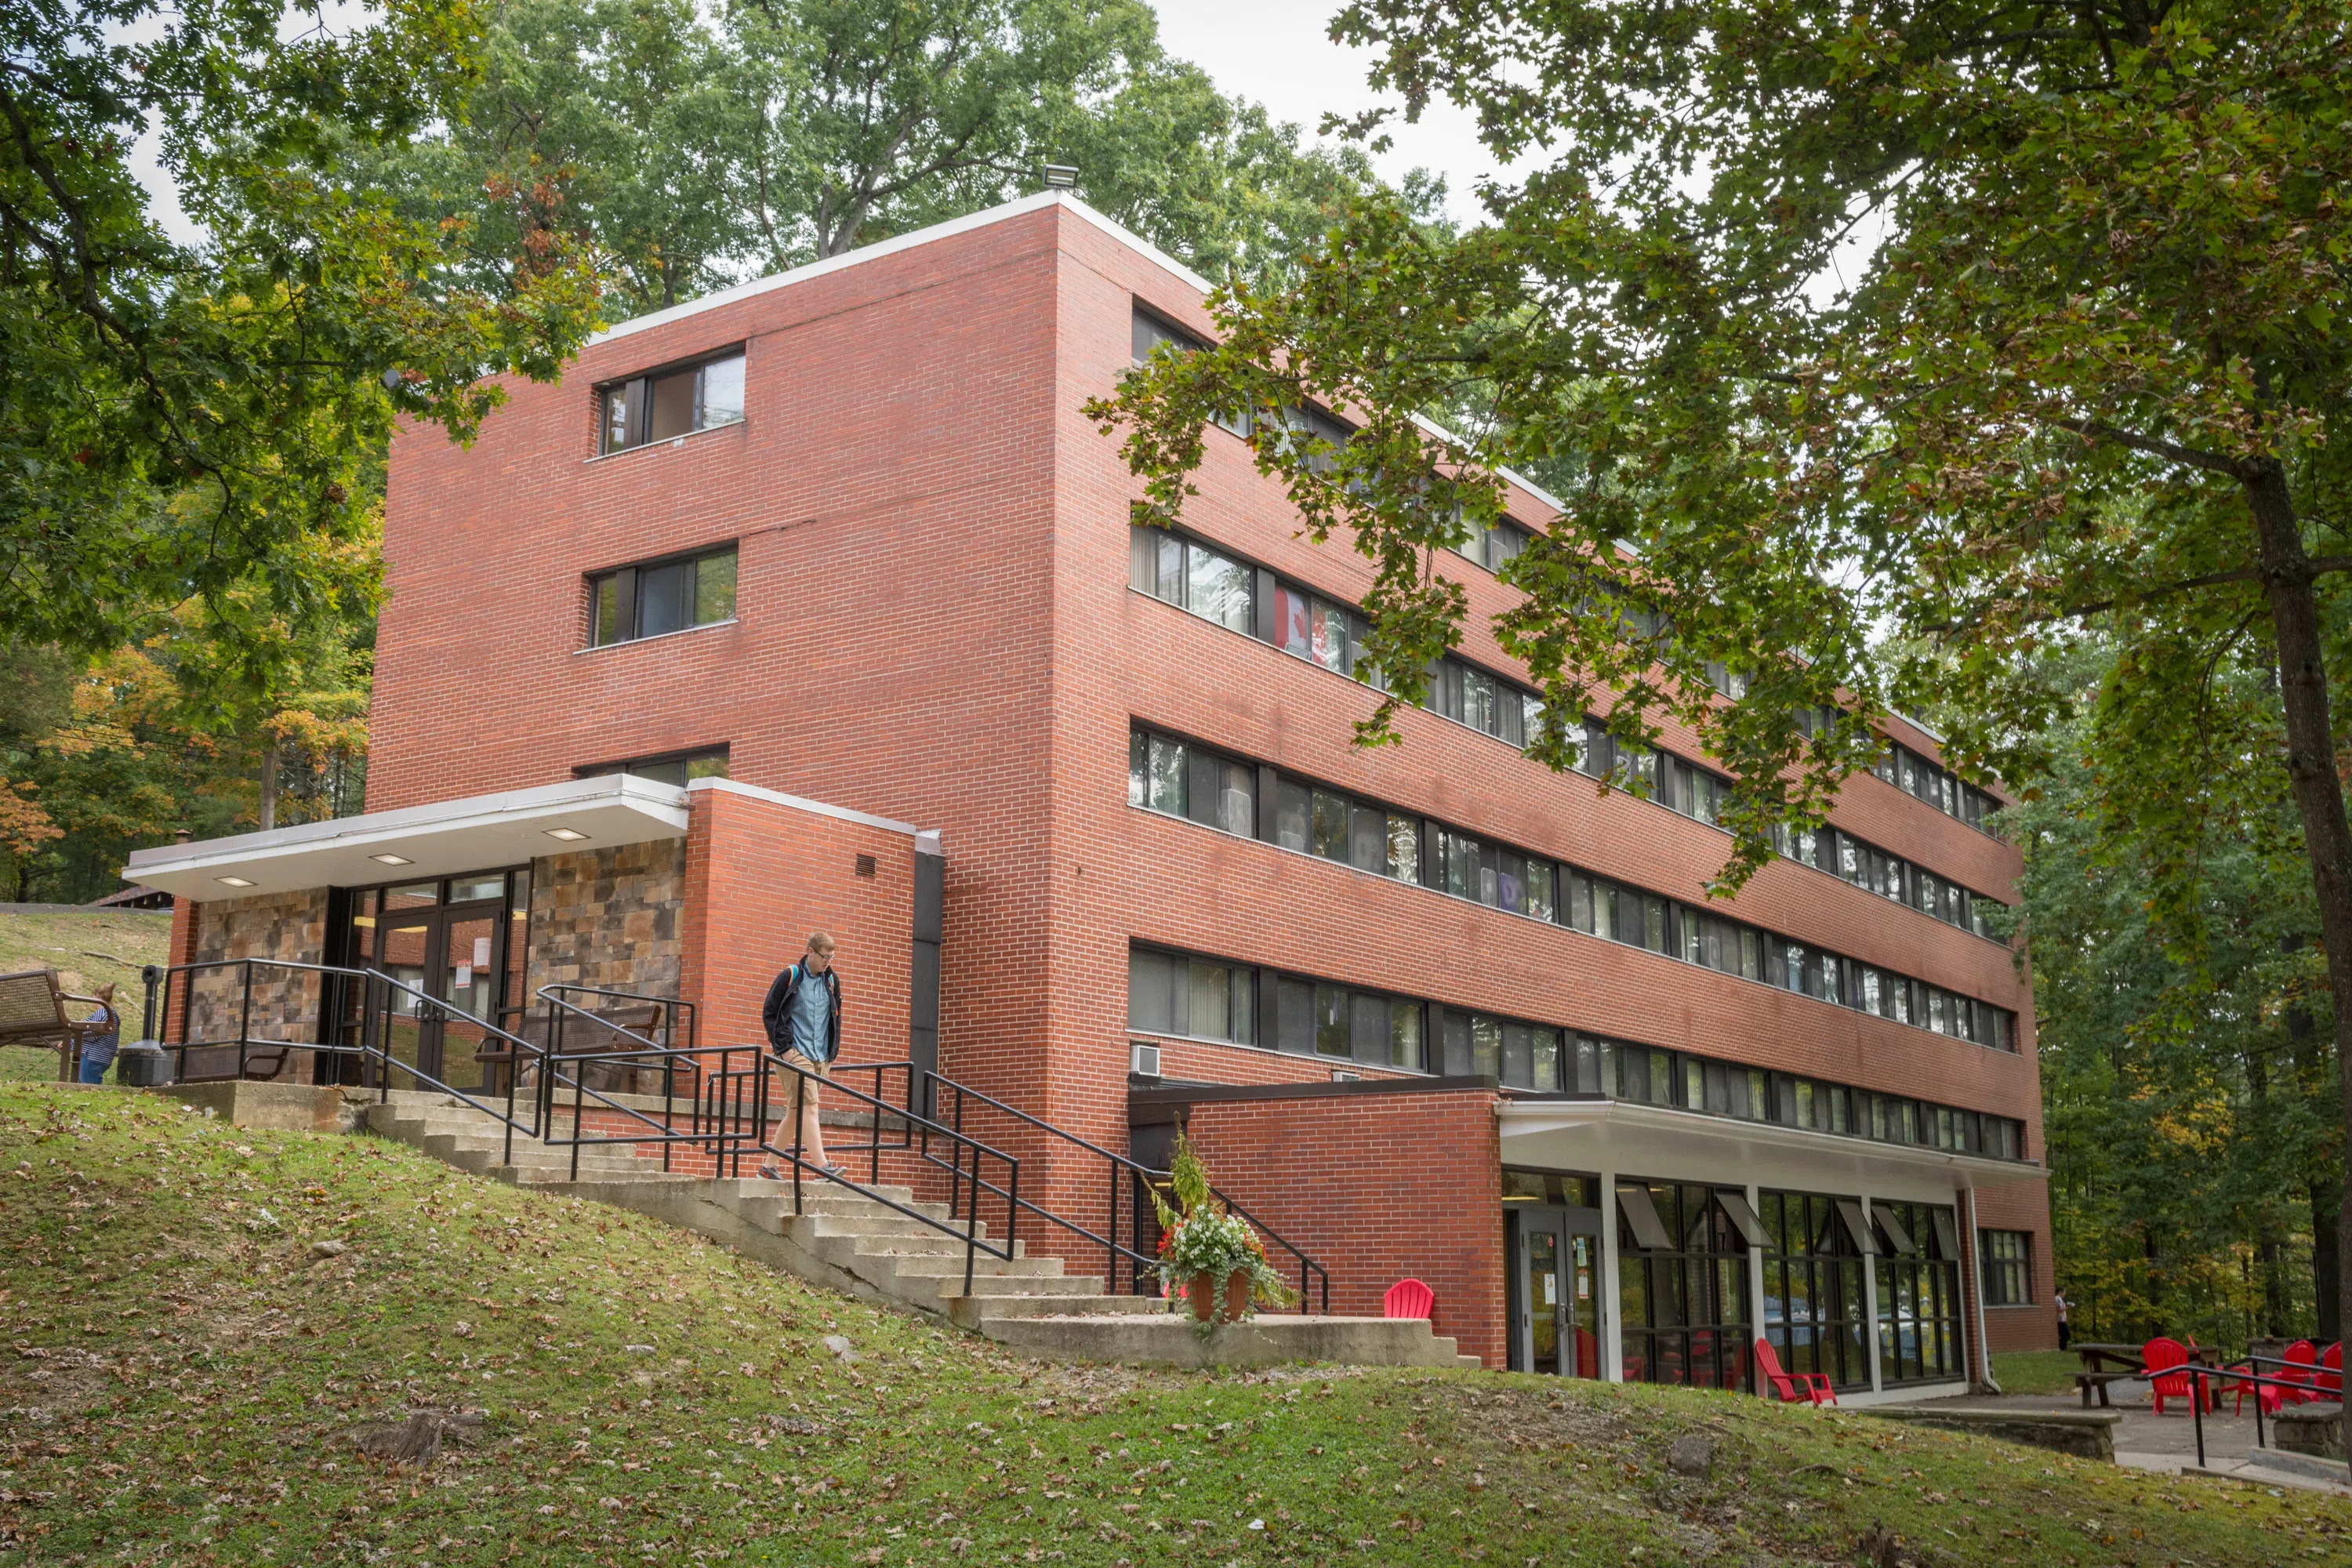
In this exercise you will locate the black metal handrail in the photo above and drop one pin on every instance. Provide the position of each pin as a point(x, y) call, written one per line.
point(370, 1045)
point(554, 1061)
point(876, 1109)
point(2229, 1372)
point(1129, 1179)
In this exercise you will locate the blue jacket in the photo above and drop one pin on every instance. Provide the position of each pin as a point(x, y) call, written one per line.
point(775, 1014)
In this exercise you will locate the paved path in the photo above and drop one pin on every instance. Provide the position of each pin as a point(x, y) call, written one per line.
point(2146, 1441)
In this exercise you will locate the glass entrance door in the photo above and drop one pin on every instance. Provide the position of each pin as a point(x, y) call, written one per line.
point(1543, 1300)
point(1555, 1263)
point(468, 981)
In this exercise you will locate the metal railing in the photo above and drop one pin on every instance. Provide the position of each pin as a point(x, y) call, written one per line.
point(732, 1107)
point(1129, 1184)
point(377, 1016)
point(2241, 1373)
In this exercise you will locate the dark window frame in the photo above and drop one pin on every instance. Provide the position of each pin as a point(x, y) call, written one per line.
point(637, 400)
point(2005, 1274)
point(635, 767)
point(627, 606)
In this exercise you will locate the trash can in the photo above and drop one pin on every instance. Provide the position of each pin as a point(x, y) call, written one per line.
point(142, 1064)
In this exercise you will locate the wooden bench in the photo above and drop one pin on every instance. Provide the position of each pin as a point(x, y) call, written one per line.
point(33, 1012)
point(2085, 1382)
point(582, 1036)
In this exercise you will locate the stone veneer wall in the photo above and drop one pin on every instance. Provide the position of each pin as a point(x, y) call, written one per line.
point(611, 918)
point(274, 925)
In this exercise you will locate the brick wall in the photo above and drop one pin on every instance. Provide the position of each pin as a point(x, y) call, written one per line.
point(1376, 1187)
point(2024, 1207)
point(933, 625)
point(760, 874)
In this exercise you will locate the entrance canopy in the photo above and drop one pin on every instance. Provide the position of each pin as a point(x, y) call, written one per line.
point(422, 841)
point(1661, 1141)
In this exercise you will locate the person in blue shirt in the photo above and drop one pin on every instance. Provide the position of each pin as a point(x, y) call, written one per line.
point(98, 1050)
point(802, 1019)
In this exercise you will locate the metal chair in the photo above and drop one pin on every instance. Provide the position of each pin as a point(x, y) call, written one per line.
point(33, 1012)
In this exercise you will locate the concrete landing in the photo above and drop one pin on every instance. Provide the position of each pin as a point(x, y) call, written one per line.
point(1163, 1339)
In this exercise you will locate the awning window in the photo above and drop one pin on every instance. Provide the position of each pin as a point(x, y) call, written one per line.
point(1897, 1236)
point(1744, 1219)
point(1947, 1234)
point(1640, 1213)
point(1857, 1227)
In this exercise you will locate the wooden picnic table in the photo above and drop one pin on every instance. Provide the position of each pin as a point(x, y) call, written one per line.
point(2106, 1364)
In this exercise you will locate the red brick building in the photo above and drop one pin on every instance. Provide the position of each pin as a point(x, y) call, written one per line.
point(1096, 843)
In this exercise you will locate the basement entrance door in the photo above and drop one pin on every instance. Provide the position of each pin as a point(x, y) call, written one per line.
point(1555, 1274)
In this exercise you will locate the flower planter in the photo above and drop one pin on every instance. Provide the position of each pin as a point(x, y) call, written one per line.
point(1201, 1292)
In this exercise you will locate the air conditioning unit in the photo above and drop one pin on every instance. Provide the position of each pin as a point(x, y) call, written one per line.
point(1143, 1060)
point(1341, 1076)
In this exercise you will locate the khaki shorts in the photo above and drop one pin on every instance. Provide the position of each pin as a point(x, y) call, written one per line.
point(809, 1065)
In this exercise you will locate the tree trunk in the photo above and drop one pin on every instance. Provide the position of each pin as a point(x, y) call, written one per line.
point(2327, 1273)
point(2311, 772)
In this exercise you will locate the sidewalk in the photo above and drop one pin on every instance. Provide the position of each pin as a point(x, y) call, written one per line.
point(2167, 1443)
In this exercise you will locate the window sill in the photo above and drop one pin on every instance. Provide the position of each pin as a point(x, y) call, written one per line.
point(1572, 930)
point(658, 637)
point(672, 444)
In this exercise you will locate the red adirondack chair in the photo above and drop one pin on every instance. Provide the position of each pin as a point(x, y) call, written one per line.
point(1792, 1387)
point(2328, 1388)
point(1408, 1298)
point(2164, 1360)
point(2269, 1395)
point(2301, 1368)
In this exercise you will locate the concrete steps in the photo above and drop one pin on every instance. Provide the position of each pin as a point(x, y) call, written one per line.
point(847, 1240)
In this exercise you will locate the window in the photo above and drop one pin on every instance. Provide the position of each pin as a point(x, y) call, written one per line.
point(1919, 1293)
point(1315, 1017)
point(1319, 631)
point(2007, 1274)
point(1208, 999)
point(1682, 1271)
point(1914, 774)
point(1517, 1055)
point(1150, 331)
point(661, 597)
point(1813, 1306)
point(1183, 778)
point(1192, 576)
point(1493, 545)
point(672, 402)
point(1486, 702)
point(676, 768)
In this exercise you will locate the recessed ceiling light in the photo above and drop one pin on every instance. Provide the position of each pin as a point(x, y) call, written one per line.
point(566, 834)
point(233, 881)
point(394, 859)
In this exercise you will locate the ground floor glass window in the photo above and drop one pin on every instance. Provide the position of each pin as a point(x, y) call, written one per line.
point(1682, 1286)
point(1815, 1315)
point(1919, 1293)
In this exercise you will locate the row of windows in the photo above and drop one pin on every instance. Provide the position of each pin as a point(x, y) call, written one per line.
point(1184, 778)
point(657, 597)
point(1493, 545)
point(1213, 999)
point(1914, 774)
point(1192, 576)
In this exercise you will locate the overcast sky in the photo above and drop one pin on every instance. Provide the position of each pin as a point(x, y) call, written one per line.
point(1279, 53)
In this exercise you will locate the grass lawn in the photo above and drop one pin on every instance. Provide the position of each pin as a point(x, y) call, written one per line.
point(2036, 1372)
point(87, 948)
point(193, 1380)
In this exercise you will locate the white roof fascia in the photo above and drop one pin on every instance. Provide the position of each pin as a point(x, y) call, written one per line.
point(802, 803)
point(493, 829)
point(895, 246)
point(1807, 1154)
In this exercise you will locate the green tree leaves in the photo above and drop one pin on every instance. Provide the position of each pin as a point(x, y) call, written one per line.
point(195, 419)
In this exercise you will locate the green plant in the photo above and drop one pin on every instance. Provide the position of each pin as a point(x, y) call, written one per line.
point(1198, 1236)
